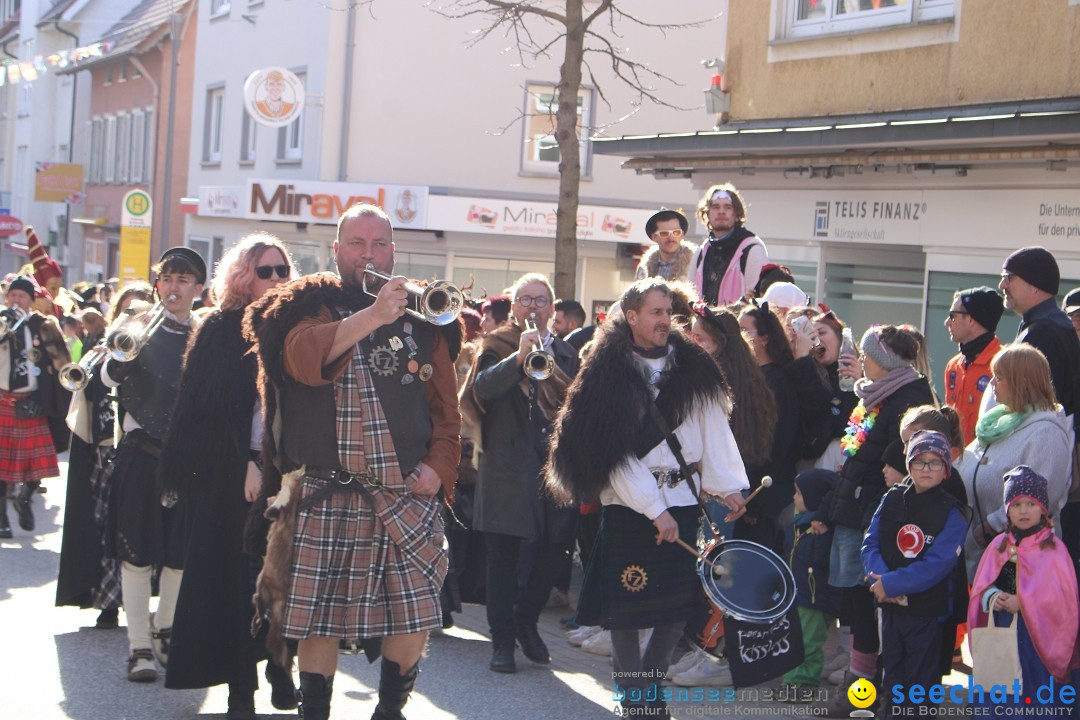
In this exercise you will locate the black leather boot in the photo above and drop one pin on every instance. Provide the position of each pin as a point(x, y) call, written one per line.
point(282, 689)
point(241, 702)
point(394, 689)
point(23, 507)
point(532, 645)
point(315, 690)
point(5, 526)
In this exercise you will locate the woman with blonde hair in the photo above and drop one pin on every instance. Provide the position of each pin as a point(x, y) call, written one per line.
point(210, 460)
point(1028, 427)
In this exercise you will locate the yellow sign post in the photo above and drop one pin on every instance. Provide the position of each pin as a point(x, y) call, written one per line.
point(135, 223)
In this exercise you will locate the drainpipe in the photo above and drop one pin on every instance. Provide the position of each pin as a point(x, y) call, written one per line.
point(346, 95)
point(71, 141)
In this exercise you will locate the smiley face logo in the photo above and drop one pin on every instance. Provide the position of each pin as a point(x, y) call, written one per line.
point(862, 693)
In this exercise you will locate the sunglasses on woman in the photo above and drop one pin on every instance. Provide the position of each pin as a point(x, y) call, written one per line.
point(265, 271)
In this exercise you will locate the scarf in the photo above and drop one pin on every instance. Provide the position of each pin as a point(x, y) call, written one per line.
point(875, 392)
point(999, 422)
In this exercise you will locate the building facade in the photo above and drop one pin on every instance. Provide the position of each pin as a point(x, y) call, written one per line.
point(453, 141)
point(892, 153)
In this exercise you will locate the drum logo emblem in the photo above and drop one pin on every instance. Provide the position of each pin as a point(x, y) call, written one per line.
point(910, 540)
point(634, 578)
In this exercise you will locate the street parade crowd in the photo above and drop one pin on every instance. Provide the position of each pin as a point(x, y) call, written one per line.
point(297, 465)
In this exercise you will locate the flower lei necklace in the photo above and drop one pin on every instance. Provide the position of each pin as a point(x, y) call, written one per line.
point(858, 427)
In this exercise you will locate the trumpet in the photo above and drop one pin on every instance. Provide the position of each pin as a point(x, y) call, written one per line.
point(125, 342)
point(11, 319)
point(539, 364)
point(74, 377)
point(439, 303)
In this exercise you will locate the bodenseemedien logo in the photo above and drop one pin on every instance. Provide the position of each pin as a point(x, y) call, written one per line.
point(862, 695)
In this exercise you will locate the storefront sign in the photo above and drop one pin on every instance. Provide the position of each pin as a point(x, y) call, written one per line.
point(58, 182)
point(10, 226)
point(222, 201)
point(135, 222)
point(534, 219)
point(323, 202)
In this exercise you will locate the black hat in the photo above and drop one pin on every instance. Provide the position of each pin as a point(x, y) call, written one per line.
point(813, 485)
point(1037, 267)
point(665, 214)
point(1072, 302)
point(25, 284)
point(894, 456)
point(984, 306)
point(192, 257)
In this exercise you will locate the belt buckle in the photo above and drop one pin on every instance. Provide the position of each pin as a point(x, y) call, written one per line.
point(343, 477)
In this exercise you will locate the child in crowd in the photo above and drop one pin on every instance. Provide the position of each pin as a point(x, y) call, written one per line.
point(910, 552)
point(895, 468)
point(817, 600)
point(1026, 571)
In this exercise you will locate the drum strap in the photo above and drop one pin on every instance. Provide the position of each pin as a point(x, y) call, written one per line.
point(687, 473)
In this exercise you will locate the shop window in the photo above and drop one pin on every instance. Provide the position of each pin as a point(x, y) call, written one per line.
point(810, 18)
point(541, 152)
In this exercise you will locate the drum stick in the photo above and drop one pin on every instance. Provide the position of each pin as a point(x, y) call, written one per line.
point(693, 551)
point(765, 482)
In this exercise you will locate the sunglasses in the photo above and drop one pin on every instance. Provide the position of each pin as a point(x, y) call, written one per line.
point(265, 271)
point(665, 234)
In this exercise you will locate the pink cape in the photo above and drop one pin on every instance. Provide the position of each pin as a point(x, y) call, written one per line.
point(1046, 586)
point(731, 285)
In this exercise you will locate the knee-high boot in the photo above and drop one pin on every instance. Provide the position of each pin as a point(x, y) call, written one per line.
point(315, 690)
point(24, 505)
point(5, 526)
point(394, 690)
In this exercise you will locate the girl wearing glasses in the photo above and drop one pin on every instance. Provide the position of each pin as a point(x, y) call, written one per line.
point(211, 460)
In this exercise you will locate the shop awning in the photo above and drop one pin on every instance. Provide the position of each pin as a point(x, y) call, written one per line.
point(1030, 133)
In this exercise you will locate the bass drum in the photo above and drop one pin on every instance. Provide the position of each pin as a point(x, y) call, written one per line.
point(752, 584)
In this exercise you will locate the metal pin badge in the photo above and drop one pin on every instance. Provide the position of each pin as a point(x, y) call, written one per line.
point(406, 379)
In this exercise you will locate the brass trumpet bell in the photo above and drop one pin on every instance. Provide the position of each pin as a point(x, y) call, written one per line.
point(439, 303)
point(539, 364)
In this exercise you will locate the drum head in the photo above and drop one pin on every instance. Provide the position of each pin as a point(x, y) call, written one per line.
point(752, 583)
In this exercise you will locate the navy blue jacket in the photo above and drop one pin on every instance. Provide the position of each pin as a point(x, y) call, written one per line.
point(808, 556)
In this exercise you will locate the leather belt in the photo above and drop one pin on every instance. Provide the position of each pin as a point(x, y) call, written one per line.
point(344, 477)
point(337, 481)
point(671, 477)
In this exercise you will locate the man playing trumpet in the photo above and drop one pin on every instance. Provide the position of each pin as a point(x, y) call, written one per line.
point(514, 392)
point(32, 351)
point(140, 531)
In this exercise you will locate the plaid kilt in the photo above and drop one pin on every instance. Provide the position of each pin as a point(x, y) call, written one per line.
point(365, 566)
point(616, 596)
point(27, 453)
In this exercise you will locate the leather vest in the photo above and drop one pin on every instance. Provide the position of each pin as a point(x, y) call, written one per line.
point(149, 391)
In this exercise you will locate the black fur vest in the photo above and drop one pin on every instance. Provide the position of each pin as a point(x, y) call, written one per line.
point(606, 418)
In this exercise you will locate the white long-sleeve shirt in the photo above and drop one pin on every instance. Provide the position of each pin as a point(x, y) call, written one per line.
point(705, 437)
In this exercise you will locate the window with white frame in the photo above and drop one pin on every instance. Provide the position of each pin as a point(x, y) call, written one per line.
point(219, 7)
point(138, 146)
point(290, 146)
point(541, 151)
point(810, 18)
point(97, 139)
point(214, 124)
point(247, 138)
point(109, 150)
point(9, 9)
point(123, 148)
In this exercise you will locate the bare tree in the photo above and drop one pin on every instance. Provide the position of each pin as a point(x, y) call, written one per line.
point(536, 30)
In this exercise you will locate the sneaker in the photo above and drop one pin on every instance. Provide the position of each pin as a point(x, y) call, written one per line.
point(598, 644)
point(686, 662)
point(710, 673)
point(839, 661)
point(140, 666)
point(160, 643)
point(576, 637)
point(557, 599)
point(644, 636)
point(836, 677)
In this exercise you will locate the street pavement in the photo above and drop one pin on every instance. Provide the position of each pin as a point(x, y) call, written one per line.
point(54, 664)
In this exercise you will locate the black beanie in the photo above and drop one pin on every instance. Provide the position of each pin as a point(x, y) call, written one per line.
point(984, 306)
point(894, 455)
point(1036, 266)
point(813, 485)
point(25, 284)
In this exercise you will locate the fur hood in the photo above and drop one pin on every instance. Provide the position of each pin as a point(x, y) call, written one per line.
point(605, 416)
point(650, 261)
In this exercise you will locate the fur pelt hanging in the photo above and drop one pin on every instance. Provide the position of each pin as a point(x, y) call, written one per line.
point(601, 422)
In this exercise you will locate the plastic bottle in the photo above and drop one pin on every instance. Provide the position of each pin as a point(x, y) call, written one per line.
point(847, 347)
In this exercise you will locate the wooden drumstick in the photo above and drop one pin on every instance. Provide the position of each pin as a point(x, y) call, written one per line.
point(765, 482)
point(693, 551)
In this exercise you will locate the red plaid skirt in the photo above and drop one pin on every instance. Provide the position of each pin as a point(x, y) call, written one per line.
point(353, 579)
point(27, 453)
